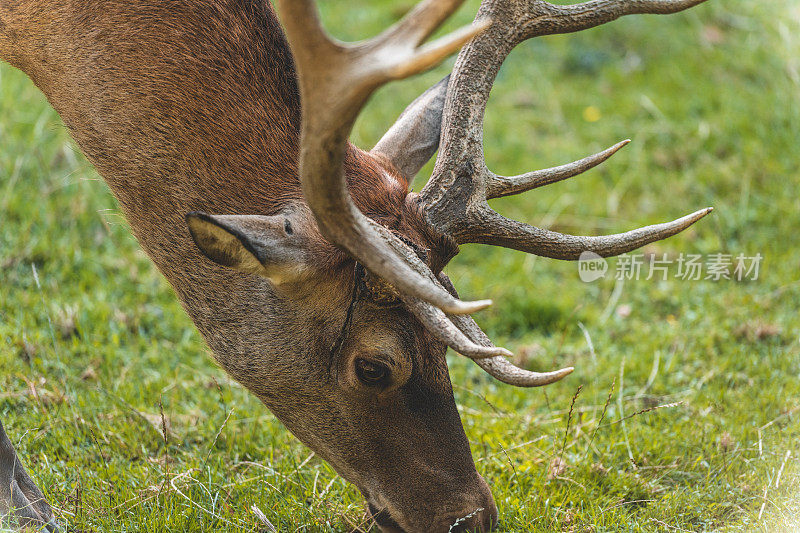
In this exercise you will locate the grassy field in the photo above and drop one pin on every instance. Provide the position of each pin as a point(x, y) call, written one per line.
point(96, 353)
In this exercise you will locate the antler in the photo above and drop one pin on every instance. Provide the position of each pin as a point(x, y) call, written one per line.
point(336, 79)
point(455, 198)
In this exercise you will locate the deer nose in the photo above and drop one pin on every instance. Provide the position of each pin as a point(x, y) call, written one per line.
point(476, 513)
point(479, 514)
point(470, 512)
point(479, 520)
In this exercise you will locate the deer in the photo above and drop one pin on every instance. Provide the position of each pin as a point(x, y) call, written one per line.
point(311, 269)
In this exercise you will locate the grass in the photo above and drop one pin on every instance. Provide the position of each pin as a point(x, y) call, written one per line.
point(690, 397)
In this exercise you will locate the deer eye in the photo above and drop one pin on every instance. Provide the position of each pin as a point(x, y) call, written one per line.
point(372, 373)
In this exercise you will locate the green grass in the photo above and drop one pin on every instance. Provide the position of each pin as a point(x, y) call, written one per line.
point(96, 349)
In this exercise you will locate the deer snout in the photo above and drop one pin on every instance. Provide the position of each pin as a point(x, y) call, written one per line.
point(478, 514)
point(473, 511)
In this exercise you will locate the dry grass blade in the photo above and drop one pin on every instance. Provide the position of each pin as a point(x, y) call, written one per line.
point(643, 411)
point(263, 518)
point(569, 420)
point(216, 437)
point(783, 465)
point(602, 415)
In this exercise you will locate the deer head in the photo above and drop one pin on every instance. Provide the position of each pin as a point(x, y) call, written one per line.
point(395, 431)
point(329, 302)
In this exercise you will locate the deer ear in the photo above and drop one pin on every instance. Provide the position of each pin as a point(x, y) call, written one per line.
point(275, 247)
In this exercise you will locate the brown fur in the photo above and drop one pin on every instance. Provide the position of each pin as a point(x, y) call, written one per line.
point(192, 105)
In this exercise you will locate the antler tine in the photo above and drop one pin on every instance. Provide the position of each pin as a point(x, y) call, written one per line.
point(499, 186)
point(440, 324)
point(336, 79)
point(499, 367)
point(500, 231)
point(577, 17)
point(443, 328)
point(421, 21)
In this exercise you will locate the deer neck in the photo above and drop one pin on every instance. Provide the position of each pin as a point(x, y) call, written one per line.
point(182, 108)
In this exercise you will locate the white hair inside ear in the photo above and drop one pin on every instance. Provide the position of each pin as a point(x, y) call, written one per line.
point(276, 247)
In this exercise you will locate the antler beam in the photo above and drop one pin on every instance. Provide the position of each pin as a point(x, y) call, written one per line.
point(336, 79)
